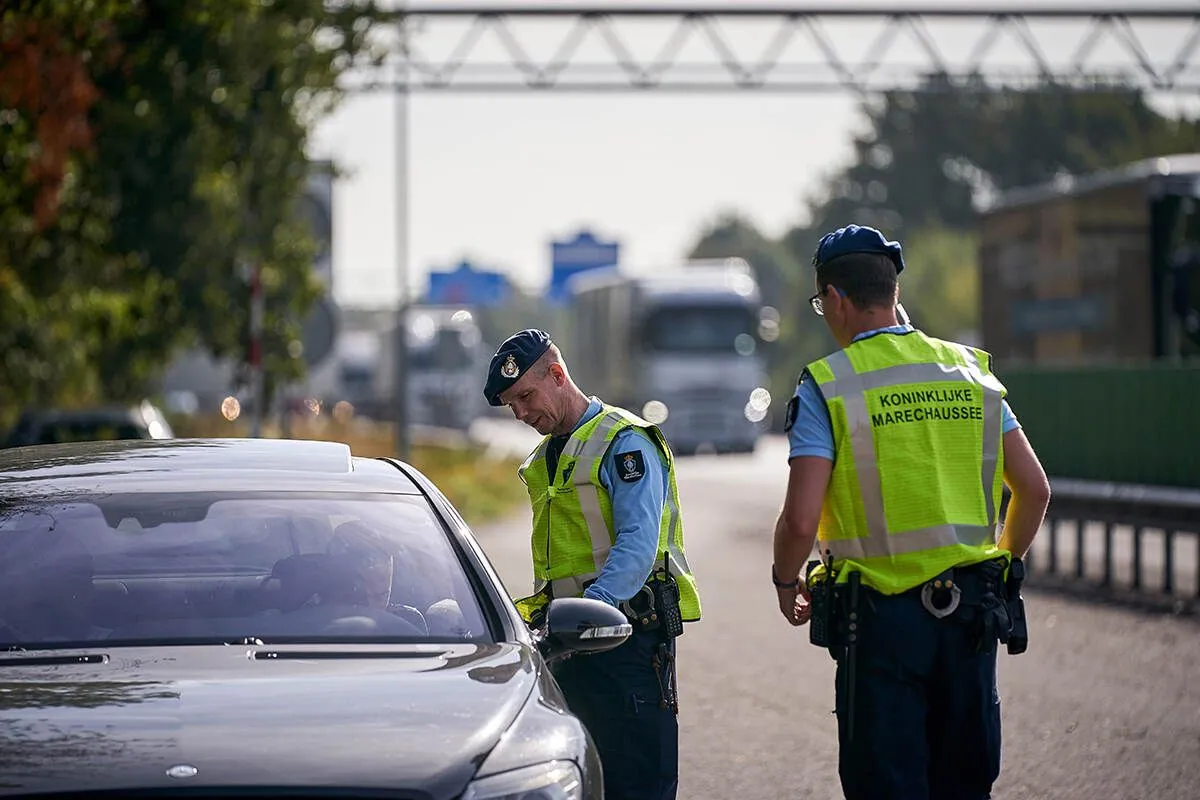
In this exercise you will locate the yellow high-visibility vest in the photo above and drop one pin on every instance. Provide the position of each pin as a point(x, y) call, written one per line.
point(919, 462)
point(573, 528)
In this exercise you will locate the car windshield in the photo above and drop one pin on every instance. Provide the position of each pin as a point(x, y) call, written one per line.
point(153, 568)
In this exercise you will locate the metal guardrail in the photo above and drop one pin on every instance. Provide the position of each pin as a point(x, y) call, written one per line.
point(1134, 543)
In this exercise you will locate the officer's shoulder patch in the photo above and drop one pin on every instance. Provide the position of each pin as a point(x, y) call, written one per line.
point(630, 466)
point(793, 408)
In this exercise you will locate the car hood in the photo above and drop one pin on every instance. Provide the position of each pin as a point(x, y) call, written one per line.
point(418, 718)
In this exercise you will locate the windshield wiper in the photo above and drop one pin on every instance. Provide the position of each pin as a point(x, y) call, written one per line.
point(50, 661)
point(343, 655)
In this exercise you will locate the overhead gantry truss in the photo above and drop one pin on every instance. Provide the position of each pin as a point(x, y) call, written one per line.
point(784, 48)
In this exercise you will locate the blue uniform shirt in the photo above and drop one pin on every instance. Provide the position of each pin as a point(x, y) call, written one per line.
point(637, 508)
point(812, 432)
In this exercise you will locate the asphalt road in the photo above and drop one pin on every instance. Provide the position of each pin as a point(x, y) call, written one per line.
point(1106, 702)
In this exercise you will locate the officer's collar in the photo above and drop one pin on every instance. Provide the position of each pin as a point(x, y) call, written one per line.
point(884, 329)
point(594, 407)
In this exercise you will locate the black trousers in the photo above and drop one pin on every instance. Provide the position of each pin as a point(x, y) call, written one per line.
point(618, 696)
point(926, 708)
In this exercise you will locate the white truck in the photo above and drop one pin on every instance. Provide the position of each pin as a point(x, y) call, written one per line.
point(680, 346)
point(446, 358)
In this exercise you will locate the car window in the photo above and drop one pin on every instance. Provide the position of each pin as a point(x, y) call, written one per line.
point(63, 432)
point(151, 568)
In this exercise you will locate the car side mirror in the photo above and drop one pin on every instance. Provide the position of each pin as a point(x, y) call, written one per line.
point(582, 625)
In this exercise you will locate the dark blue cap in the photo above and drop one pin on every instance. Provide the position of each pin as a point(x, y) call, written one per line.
point(856, 239)
point(516, 355)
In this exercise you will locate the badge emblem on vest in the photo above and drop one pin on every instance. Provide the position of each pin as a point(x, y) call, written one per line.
point(510, 369)
point(632, 468)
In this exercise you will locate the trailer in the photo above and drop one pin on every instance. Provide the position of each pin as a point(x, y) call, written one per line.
point(1095, 268)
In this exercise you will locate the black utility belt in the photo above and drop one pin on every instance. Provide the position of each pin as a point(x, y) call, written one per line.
point(966, 587)
point(981, 597)
point(954, 593)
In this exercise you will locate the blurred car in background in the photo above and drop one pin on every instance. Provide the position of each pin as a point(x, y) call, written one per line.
point(255, 615)
point(55, 425)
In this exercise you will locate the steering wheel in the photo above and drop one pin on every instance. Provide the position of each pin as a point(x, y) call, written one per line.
point(410, 614)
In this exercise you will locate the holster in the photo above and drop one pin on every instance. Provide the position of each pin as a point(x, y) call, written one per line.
point(834, 607)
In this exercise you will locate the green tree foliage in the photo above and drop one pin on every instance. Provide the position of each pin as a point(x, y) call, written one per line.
point(921, 161)
point(153, 150)
point(940, 282)
point(924, 157)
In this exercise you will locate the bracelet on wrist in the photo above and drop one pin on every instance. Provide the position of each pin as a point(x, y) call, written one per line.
point(781, 584)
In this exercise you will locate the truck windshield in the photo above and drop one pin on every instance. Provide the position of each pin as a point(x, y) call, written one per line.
point(700, 329)
point(447, 350)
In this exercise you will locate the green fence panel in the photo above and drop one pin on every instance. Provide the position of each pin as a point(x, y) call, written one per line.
point(1121, 423)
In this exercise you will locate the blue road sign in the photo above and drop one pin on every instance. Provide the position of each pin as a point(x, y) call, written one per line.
point(466, 285)
point(584, 252)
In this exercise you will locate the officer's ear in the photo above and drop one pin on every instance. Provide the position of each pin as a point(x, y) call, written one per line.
point(557, 374)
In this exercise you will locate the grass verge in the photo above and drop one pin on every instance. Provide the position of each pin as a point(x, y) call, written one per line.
point(482, 484)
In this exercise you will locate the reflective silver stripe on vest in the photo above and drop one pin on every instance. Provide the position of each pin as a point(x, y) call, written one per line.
point(846, 381)
point(993, 423)
point(539, 452)
point(677, 561)
point(862, 442)
point(913, 541)
point(851, 386)
point(677, 564)
point(596, 446)
point(589, 504)
point(588, 450)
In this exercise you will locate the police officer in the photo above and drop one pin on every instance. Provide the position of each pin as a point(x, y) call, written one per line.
point(605, 514)
point(898, 446)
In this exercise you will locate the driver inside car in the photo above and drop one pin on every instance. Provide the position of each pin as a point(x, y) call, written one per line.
point(364, 566)
point(380, 582)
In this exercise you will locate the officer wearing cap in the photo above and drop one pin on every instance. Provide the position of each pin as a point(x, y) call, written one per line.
point(606, 515)
point(899, 444)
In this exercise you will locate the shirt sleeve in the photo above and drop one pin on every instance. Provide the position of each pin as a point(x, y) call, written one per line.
point(635, 475)
point(1010, 422)
point(810, 431)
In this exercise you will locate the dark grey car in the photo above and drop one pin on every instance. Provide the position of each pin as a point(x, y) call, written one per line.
point(269, 615)
point(59, 425)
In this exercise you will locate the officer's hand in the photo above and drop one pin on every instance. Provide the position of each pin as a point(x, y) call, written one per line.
point(794, 605)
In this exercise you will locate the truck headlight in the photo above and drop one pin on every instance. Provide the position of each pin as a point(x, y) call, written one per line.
point(554, 780)
point(758, 404)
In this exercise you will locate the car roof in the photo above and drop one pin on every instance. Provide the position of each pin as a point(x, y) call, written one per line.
point(172, 465)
